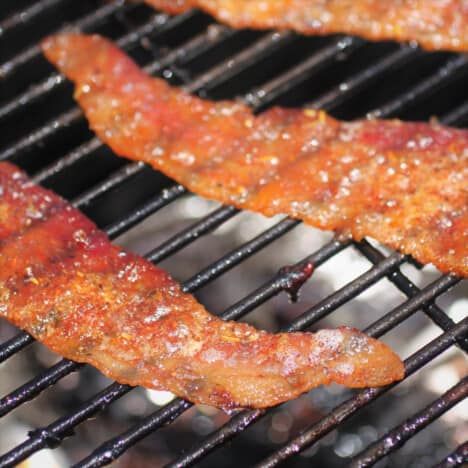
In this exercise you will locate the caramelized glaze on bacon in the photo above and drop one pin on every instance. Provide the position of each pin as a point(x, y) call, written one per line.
point(63, 281)
point(435, 24)
point(404, 184)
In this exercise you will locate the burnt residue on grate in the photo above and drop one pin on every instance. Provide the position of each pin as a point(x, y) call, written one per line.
point(240, 265)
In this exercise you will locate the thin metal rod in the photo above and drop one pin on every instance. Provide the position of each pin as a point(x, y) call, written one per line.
point(86, 23)
point(14, 345)
point(457, 458)
point(399, 435)
point(157, 23)
point(440, 78)
point(244, 59)
point(352, 85)
point(114, 180)
point(432, 310)
point(187, 236)
point(51, 435)
point(457, 115)
point(268, 92)
point(36, 385)
point(27, 15)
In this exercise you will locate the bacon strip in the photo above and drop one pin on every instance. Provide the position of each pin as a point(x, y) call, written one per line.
point(404, 184)
point(62, 281)
point(434, 24)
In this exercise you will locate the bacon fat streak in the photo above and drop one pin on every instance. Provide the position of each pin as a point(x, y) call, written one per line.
point(404, 184)
point(434, 24)
point(63, 282)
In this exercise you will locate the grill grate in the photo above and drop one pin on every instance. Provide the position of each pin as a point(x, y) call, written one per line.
point(226, 56)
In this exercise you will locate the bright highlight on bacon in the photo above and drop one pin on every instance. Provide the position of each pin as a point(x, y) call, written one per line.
point(434, 24)
point(404, 184)
point(63, 282)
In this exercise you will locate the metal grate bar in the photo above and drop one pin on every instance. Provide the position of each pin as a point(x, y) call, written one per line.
point(27, 15)
point(14, 345)
point(39, 135)
point(36, 385)
point(271, 90)
point(457, 458)
point(163, 199)
point(53, 434)
point(238, 255)
point(438, 316)
point(88, 22)
point(399, 435)
point(230, 67)
point(364, 397)
point(354, 84)
point(112, 181)
point(426, 87)
point(457, 115)
point(187, 236)
point(158, 23)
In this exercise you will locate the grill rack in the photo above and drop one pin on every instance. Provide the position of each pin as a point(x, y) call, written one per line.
point(259, 98)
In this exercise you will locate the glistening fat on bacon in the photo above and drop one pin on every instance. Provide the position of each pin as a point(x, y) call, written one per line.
point(404, 184)
point(63, 281)
point(434, 24)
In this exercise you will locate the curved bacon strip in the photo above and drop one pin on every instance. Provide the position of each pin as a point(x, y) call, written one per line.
point(88, 300)
point(435, 24)
point(404, 184)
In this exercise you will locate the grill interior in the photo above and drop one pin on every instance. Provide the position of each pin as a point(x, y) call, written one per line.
point(208, 245)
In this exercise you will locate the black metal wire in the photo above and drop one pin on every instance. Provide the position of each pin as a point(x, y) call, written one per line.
point(27, 15)
point(51, 435)
point(399, 435)
point(440, 78)
point(406, 286)
point(14, 345)
point(270, 91)
point(457, 458)
point(347, 89)
point(86, 24)
point(36, 385)
point(157, 23)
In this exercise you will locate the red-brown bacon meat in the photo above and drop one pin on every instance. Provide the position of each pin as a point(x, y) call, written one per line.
point(434, 24)
point(62, 281)
point(404, 184)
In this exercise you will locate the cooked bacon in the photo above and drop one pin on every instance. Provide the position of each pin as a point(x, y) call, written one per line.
point(62, 281)
point(404, 184)
point(434, 24)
